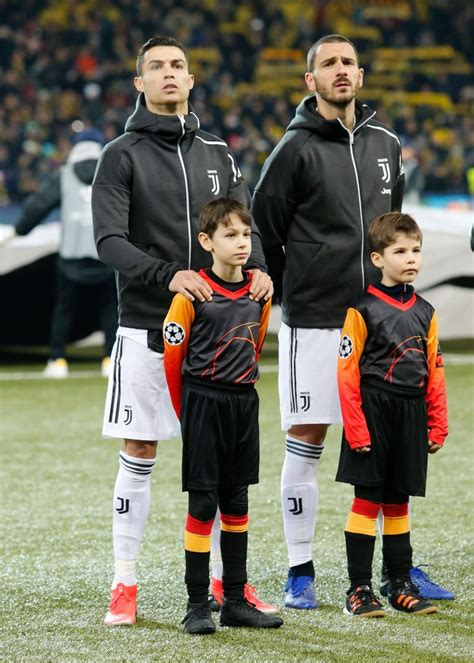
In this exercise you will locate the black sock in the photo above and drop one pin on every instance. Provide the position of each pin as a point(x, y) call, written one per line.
point(234, 563)
point(306, 569)
point(360, 554)
point(197, 576)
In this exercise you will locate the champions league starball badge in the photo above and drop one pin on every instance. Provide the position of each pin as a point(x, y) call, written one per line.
point(174, 333)
point(345, 347)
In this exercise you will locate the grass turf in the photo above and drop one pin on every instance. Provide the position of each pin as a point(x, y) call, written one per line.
point(57, 478)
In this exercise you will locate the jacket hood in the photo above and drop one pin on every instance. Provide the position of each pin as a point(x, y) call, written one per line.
point(307, 117)
point(143, 120)
point(83, 158)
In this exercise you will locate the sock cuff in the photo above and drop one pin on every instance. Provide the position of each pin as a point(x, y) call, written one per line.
point(201, 527)
point(234, 523)
point(140, 466)
point(395, 510)
point(309, 453)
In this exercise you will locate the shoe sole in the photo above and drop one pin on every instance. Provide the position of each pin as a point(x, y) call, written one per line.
point(240, 625)
point(203, 631)
point(424, 611)
point(306, 606)
point(119, 621)
point(374, 613)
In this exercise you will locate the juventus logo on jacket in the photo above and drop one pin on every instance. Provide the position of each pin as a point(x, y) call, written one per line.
point(213, 176)
point(385, 166)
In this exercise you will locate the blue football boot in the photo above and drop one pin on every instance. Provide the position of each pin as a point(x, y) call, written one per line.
point(427, 588)
point(299, 592)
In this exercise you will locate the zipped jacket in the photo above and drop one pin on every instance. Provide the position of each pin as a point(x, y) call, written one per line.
point(318, 192)
point(150, 185)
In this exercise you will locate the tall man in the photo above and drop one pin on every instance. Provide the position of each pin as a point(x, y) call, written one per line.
point(333, 172)
point(150, 186)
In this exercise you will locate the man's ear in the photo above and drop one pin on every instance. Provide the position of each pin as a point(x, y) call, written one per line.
point(137, 81)
point(310, 82)
point(205, 241)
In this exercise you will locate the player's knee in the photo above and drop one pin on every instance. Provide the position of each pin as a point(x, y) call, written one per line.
point(309, 433)
point(139, 448)
point(202, 504)
point(235, 502)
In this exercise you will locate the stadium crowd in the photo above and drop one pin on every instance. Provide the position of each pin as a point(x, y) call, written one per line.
point(65, 61)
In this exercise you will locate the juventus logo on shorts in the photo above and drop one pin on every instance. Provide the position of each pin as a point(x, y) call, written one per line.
point(297, 507)
point(128, 415)
point(305, 400)
point(124, 505)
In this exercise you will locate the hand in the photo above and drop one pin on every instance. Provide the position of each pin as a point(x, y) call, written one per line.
point(7, 233)
point(261, 286)
point(191, 285)
point(362, 450)
point(433, 447)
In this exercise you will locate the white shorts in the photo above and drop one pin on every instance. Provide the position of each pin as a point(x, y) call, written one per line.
point(307, 378)
point(138, 404)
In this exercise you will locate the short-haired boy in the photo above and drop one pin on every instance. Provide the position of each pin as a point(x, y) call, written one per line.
point(211, 354)
point(393, 400)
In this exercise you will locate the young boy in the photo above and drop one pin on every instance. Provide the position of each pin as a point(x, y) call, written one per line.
point(211, 354)
point(393, 400)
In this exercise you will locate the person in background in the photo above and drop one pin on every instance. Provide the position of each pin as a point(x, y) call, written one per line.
point(78, 265)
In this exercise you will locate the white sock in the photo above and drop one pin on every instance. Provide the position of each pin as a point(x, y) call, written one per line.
point(216, 557)
point(299, 497)
point(132, 498)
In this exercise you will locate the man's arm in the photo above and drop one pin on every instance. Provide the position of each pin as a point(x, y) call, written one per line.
point(111, 191)
point(273, 207)
point(238, 190)
point(39, 204)
point(399, 188)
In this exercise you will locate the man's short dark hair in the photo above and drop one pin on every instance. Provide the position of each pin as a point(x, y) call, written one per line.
point(328, 39)
point(383, 230)
point(217, 213)
point(159, 40)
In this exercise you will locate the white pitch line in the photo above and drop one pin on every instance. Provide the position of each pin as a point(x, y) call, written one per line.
point(449, 360)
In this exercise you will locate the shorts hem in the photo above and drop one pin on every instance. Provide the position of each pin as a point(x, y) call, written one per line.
point(140, 437)
point(286, 424)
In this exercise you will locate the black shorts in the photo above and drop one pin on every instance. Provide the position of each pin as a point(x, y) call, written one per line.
point(221, 445)
point(398, 458)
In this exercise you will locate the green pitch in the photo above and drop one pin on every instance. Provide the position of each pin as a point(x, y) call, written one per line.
point(57, 477)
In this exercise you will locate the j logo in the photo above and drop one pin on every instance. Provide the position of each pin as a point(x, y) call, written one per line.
point(128, 415)
point(305, 400)
point(297, 505)
point(385, 166)
point(212, 174)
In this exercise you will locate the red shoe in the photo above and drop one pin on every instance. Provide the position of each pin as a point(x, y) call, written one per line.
point(123, 606)
point(250, 593)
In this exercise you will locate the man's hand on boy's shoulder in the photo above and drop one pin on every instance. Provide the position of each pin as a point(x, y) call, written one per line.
point(433, 447)
point(261, 286)
point(191, 285)
point(362, 450)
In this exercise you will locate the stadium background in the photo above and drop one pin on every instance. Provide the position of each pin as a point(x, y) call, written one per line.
point(69, 65)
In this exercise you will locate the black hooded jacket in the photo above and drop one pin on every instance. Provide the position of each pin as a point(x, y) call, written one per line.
point(149, 188)
point(318, 192)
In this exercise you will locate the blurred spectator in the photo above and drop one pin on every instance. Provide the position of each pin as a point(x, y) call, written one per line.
point(78, 267)
point(62, 61)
